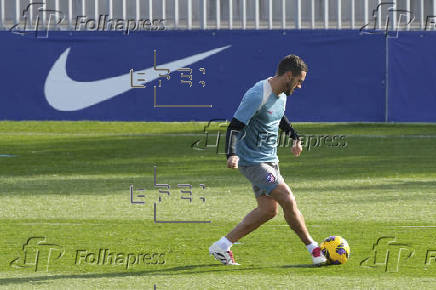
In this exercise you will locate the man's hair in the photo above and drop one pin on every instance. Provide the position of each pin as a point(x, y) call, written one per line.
point(292, 63)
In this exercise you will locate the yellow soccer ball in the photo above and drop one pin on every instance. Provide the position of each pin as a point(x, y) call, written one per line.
point(336, 250)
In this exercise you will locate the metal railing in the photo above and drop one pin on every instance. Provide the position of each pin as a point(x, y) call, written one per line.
point(225, 14)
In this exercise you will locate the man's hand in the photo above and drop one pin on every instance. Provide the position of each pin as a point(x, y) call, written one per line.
point(296, 148)
point(232, 161)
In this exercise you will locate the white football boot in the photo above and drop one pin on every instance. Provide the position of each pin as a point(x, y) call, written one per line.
point(225, 257)
point(318, 258)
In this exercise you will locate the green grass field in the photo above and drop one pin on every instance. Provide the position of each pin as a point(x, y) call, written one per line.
point(65, 190)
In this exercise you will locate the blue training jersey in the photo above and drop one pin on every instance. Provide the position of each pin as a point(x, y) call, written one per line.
point(261, 111)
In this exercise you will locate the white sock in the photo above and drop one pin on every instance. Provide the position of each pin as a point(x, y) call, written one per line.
point(311, 246)
point(224, 244)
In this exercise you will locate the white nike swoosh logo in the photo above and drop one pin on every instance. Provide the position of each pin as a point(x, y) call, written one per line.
point(66, 94)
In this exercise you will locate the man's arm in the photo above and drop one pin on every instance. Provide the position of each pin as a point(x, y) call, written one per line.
point(286, 126)
point(250, 104)
point(233, 130)
point(232, 133)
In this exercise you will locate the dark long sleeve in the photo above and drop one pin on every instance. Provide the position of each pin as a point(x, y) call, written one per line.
point(286, 126)
point(232, 133)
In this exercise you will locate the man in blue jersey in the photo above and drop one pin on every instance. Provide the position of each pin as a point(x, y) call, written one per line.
point(251, 146)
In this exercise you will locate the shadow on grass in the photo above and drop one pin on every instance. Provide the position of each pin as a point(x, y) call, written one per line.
point(302, 266)
point(186, 270)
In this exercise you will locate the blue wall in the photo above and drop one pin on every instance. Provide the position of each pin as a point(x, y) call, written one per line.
point(412, 77)
point(345, 83)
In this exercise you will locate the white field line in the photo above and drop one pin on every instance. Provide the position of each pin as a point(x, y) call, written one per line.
point(314, 226)
point(414, 226)
point(58, 224)
point(389, 136)
point(102, 134)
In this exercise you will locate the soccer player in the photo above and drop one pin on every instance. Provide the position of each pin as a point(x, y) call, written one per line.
point(251, 146)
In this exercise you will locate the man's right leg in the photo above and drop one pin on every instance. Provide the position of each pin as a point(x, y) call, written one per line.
point(266, 210)
point(283, 195)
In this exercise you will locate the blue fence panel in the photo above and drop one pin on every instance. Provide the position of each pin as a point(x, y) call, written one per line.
point(85, 75)
point(412, 77)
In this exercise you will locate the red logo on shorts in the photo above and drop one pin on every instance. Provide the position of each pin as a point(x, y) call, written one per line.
point(270, 178)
